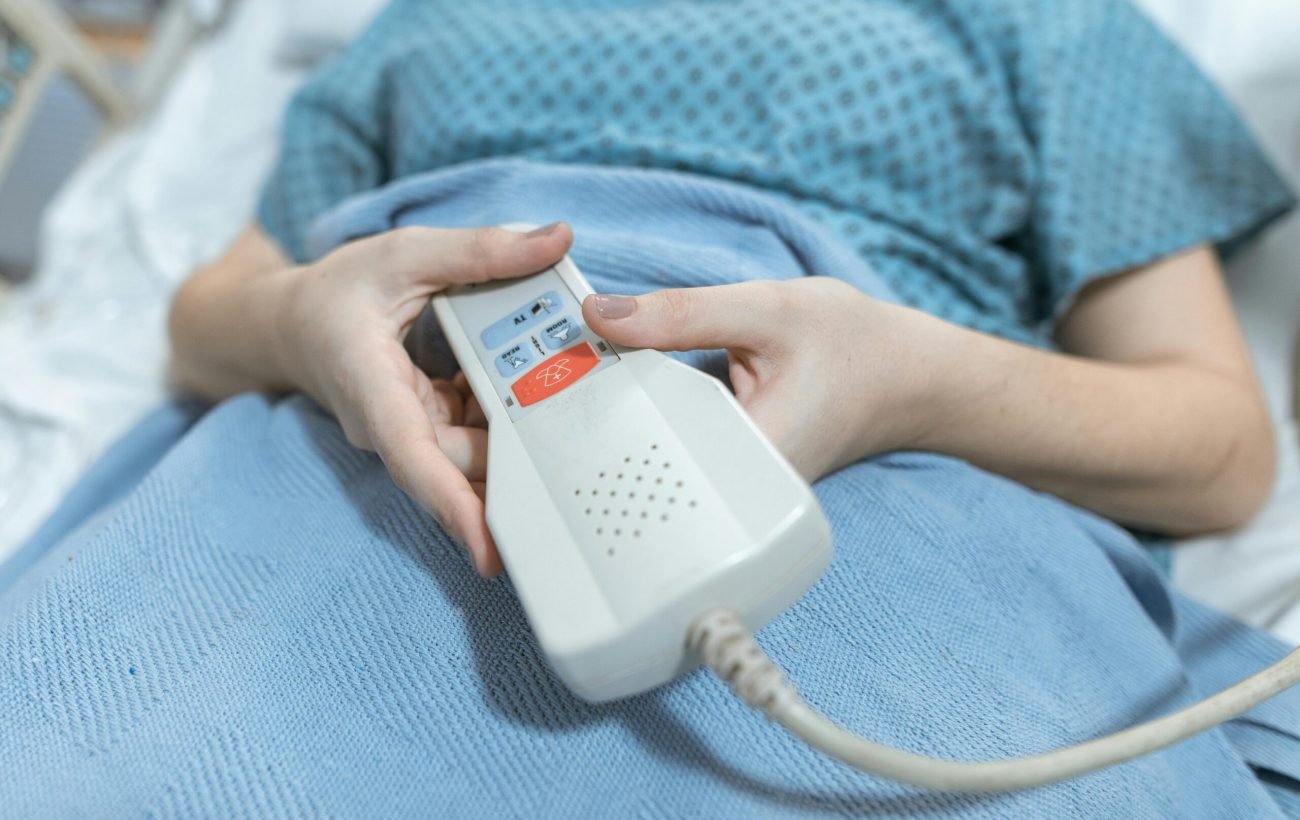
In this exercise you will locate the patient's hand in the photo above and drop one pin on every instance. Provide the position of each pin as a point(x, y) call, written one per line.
point(814, 361)
point(1149, 414)
point(343, 338)
point(334, 329)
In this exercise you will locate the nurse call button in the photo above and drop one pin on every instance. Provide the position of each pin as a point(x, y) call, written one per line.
point(555, 373)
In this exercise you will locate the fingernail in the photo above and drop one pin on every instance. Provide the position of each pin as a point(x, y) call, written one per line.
point(545, 230)
point(614, 307)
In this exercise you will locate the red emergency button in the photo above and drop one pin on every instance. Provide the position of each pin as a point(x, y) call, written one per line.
point(555, 374)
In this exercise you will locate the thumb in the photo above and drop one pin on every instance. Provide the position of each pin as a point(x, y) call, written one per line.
point(742, 316)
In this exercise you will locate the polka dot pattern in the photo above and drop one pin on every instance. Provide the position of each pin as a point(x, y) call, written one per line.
point(988, 159)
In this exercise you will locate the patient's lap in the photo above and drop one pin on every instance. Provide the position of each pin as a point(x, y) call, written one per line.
point(268, 606)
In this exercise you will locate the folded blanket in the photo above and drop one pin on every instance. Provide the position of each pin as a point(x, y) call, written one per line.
point(264, 626)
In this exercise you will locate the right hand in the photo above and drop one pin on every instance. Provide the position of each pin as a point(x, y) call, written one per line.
point(339, 339)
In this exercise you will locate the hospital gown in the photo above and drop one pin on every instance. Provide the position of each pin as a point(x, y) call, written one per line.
point(254, 622)
point(987, 158)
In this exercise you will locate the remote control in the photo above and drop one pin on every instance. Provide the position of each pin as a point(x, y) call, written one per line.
point(627, 492)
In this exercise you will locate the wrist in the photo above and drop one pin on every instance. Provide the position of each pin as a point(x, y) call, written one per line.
point(960, 370)
point(909, 373)
point(275, 306)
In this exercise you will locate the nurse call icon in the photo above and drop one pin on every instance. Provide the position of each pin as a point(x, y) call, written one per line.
point(554, 373)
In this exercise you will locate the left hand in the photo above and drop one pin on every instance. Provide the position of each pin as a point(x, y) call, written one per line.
point(339, 327)
point(828, 373)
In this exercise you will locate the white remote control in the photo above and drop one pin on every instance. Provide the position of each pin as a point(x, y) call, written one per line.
point(626, 491)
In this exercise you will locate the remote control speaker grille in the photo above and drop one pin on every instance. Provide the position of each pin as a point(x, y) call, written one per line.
point(635, 500)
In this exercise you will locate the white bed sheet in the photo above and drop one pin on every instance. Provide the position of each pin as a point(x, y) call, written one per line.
point(82, 350)
point(83, 347)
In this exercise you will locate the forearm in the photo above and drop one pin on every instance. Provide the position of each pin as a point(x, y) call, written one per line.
point(224, 320)
point(1163, 444)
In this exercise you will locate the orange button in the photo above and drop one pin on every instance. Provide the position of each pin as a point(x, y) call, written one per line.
point(555, 374)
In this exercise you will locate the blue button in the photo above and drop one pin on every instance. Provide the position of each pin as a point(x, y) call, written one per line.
point(6, 95)
point(514, 360)
point(559, 334)
point(502, 331)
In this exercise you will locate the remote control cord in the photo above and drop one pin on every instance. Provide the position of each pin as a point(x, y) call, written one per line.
point(730, 650)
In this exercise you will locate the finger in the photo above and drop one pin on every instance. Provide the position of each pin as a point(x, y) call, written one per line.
point(492, 562)
point(461, 382)
point(770, 416)
point(466, 447)
point(474, 415)
point(746, 316)
point(419, 260)
point(448, 405)
point(398, 426)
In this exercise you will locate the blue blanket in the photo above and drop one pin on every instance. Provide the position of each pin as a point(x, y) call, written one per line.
point(262, 625)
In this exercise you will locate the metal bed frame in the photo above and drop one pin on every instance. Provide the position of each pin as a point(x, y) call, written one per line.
point(40, 43)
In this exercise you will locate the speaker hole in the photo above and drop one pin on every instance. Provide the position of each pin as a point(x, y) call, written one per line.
point(663, 517)
point(577, 492)
point(610, 552)
point(644, 514)
point(659, 481)
point(600, 530)
point(625, 513)
point(691, 503)
point(589, 511)
point(636, 533)
point(667, 465)
point(679, 484)
point(618, 532)
point(672, 500)
point(654, 446)
point(620, 476)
